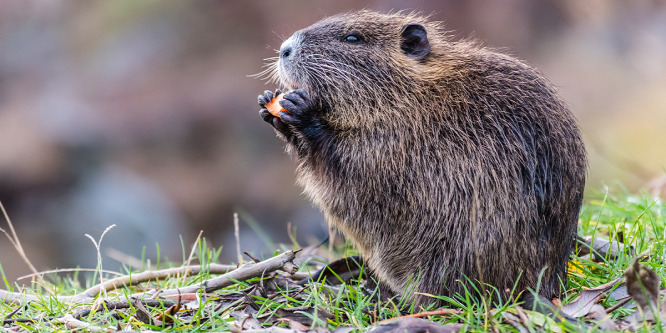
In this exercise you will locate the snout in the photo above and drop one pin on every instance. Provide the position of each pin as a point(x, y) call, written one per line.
point(289, 48)
point(288, 67)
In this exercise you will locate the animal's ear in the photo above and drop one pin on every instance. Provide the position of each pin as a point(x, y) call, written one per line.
point(414, 41)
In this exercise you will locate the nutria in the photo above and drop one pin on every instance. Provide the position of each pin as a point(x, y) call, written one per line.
point(444, 162)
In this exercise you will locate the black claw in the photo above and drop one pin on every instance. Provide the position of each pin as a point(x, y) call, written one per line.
point(293, 97)
point(265, 98)
point(288, 105)
point(287, 117)
point(265, 115)
point(301, 93)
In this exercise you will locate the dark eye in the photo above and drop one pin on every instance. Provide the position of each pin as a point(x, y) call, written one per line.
point(352, 38)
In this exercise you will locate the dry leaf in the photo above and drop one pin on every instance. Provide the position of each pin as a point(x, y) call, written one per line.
point(581, 306)
point(514, 321)
point(338, 272)
point(294, 325)
point(142, 314)
point(245, 321)
point(643, 286)
point(169, 314)
point(299, 314)
point(601, 318)
point(603, 248)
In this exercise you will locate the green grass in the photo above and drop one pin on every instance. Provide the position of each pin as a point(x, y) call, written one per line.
point(637, 219)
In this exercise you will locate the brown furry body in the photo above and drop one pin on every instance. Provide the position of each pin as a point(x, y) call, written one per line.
point(429, 157)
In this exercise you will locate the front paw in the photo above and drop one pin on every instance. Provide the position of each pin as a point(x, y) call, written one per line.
point(272, 120)
point(300, 113)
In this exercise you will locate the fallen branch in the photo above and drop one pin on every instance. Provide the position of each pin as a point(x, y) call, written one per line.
point(64, 270)
point(423, 314)
point(18, 298)
point(117, 305)
point(72, 323)
point(273, 329)
point(134, 279)
point(283, 261)
point(19, 320)
point(298, 276)
point(618, 305)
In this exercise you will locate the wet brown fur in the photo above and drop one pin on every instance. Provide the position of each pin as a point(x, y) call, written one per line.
point(428, 164)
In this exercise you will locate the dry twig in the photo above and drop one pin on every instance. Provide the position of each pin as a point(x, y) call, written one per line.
point(121, 304)
point(239, 254)
point(194, 248)
point(283, 261)
point(98, 246)
point(250, 270)
point(17, 243)
point(72, 323)
point(130, 280)
point(424, 314)
point(63, 270)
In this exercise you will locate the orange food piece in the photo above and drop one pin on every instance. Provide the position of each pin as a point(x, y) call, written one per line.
point(274, 106)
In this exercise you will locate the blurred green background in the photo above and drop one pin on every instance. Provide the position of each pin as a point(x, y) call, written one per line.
point(142, 113)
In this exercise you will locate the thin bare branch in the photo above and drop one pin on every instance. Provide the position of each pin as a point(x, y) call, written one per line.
point(63, 270)
point(98, 246)
point(194, 247)
point(72, 323)
point(134, 279)
point(14, 239)
point(232, 274)
point(250, 270)
point(239, 254)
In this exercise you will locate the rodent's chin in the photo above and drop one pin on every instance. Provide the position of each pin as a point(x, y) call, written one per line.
point(288, 76)
point(288, 82)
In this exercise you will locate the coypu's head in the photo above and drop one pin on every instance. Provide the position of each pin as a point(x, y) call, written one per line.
point(356, 62)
